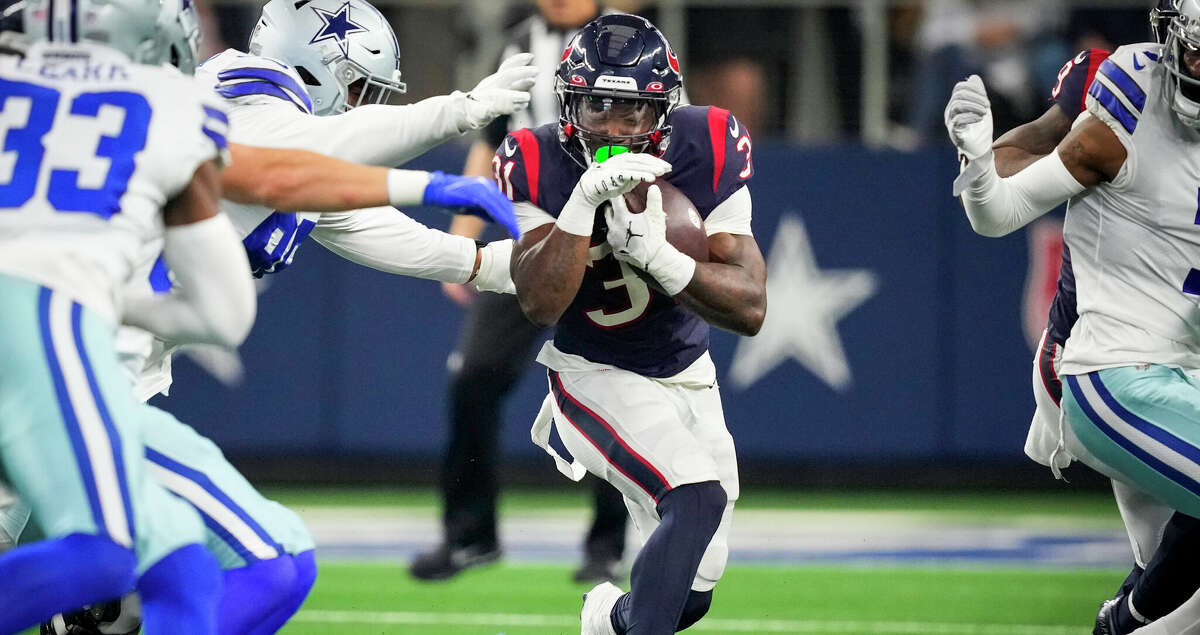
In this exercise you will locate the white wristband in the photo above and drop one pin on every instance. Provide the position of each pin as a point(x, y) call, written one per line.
point(406, 187)
point(577, 216)
point(672, 268)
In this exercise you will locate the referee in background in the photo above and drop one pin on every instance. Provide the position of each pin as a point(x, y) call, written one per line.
point(496, 345)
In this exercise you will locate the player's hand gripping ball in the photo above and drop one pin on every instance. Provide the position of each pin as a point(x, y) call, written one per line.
point(683, 227)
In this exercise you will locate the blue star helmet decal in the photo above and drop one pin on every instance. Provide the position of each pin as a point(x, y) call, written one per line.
point(336, 27)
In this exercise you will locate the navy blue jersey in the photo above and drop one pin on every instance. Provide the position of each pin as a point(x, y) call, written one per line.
point(1069, 94)
point(616, 318)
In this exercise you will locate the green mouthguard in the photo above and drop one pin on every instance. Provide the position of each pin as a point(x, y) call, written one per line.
point(605, 153)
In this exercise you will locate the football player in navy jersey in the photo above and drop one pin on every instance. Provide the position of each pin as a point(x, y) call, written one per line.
point(633, 391)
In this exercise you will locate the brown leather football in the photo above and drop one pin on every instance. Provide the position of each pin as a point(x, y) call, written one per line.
point(685, 230)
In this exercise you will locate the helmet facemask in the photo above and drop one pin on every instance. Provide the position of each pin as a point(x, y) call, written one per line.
point(358, 86)
point(1160, 19)
point(1181, 58)
point(594, 118)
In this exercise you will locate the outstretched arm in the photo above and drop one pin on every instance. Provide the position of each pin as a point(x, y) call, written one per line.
point(1018, 148)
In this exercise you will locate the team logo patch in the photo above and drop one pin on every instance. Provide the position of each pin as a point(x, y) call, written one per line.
point(336, 26)
point(655, 86)
point(576, 80)
point(672, 60)
point(566, 53)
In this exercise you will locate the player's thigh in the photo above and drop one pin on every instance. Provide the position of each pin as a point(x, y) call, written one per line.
point(631, 431)
point(1141, 425)
point(708, 426)
point(243, 525)
point(69, 436)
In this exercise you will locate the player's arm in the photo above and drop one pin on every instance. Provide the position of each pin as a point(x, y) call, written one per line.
point(549, 261)
point(391, 135)
point(547, 267)
point(297, 180)
point(213, 300)
point(1090, 154)
point(728, 292)
point(1018, 148)
point(383, 238)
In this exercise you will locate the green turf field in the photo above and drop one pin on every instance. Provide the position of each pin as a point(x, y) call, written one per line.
point(528, 599)
point(539, 600)
point(358, 596)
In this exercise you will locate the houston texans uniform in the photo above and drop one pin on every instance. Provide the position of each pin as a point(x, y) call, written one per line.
point(633, 392)
point(1068, 94)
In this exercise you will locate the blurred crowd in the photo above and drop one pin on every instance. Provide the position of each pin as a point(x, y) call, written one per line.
point(791, 72)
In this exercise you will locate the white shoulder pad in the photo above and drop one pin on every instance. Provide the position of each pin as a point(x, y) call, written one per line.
point(246, 79)
point(1117, 95)
point(189, 126)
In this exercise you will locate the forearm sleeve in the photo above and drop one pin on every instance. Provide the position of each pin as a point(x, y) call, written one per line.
point(372, 135)
point(383, 238)
point(213, 300)
point(997, 207)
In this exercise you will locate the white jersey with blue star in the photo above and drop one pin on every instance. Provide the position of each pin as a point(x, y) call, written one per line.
point(268, 106)
point(1135, 242)
point(95, 145)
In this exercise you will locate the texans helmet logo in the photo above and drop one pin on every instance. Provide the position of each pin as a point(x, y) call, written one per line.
point(672, 60)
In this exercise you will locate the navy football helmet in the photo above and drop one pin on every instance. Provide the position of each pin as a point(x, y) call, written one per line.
point(617, 83)
point(1161, 16)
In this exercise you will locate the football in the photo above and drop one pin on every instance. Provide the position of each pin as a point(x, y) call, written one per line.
point(685, 230)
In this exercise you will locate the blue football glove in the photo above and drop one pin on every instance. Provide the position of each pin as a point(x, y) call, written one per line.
point(479, 196)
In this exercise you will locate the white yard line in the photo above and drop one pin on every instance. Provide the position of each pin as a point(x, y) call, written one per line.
point(709, 625)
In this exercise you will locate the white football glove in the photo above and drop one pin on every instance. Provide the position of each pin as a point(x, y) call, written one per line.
point(501, 93)
point(603, 181)
point(969, 118)
point(493, 274)
point(641, 240)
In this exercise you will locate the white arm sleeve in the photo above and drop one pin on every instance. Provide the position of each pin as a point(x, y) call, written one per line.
point(383, 238)
point(732, 216)
point(213, 301)
point(372, 135)
point(997, 207)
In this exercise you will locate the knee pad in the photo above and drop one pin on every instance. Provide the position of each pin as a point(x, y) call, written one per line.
point(705, 500)
point(698, 603)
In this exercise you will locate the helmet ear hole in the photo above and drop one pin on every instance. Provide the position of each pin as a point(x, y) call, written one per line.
point(307, 76)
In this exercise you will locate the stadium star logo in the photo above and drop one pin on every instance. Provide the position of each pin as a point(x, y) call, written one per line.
point(336, 27)
point(804, 304)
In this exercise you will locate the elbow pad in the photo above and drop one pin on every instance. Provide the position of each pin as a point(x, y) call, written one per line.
point(997, 207)
point(212, 273)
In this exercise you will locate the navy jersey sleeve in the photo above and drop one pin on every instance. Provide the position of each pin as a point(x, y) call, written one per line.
point(1074, 79)
point(711, 154)
point(517, 166)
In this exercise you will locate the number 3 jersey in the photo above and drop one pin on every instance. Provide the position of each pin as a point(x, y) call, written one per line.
point(94, 146)
point(616, 318)
point(1135, 242)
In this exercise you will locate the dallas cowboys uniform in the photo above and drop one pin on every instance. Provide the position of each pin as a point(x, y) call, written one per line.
point(1130, 363)
point(268, 106)
point(633, 391)
point(99, 145)
point(1144, 516)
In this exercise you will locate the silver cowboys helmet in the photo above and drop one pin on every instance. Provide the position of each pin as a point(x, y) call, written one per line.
point(125, 25)
point(344, 50)
point(179, 34)
point(1181, 53)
